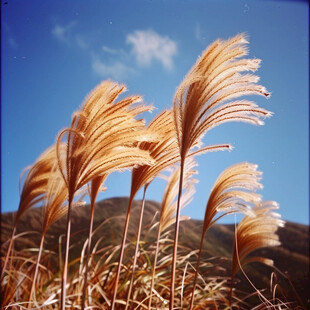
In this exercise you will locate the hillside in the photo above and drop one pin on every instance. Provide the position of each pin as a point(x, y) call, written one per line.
point(292, 257)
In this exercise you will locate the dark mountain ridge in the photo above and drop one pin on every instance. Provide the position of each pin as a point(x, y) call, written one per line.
point(291, 258)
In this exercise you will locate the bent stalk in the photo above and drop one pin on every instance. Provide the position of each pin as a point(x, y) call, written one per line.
point(36, 269)
point(196, 272)
point(8, 252)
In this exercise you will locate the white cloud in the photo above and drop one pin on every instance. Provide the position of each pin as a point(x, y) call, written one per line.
point(63, 33)
point(149, 45)
point(116, 70)
point(67, 35)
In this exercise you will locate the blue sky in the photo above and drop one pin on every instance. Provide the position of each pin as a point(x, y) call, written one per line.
point(55, 52)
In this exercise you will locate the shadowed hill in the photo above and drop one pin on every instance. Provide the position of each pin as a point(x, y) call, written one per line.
point(291, 258)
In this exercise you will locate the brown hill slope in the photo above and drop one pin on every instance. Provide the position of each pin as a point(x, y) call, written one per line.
point(292, 257)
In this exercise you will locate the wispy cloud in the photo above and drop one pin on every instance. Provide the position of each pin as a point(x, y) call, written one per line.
point(63, 32)
point(148, 45)
point(200, 35)
point(10, 36)
point(67, 34)
point(109, 50)
point(109, 68)
point(12, 43)
point(197, 32)
point(115, 70)
point(81, 41)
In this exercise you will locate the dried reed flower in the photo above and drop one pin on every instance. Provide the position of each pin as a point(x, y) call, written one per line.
point(169, 204)
point(164, 151)
point(102, 138)
point(202, 100)
point(252, 233)
point(34, 190)
point(233, 191)
point(56, 195)
point(205, 99)
point(169, 200)
point(255, 232)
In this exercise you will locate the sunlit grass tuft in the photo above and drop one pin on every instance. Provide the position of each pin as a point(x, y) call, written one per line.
point(149, 268)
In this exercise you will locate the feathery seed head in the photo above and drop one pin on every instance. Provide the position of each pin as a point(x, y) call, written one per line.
point(103, 136)
point(36, 182)
point(234, 191)
point(256, 232)
point(202, 100)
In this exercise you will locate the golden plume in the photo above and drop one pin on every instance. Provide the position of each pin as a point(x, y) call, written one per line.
point(34, 190)
point(164, 151)
point(102, 138)
point(233, 191)
point(202, 101)
point(254, 232)
point(169, 204)
point(206, 98)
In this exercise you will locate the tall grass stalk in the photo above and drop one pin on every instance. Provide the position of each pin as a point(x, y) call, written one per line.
point(169, 204)
point(36, 270)
point(202, 101)
point(87, 257)
point(56, 194)
point(95, 187)
point(154, 268)
point(163, 150)
point(8, 252)
point(234, 191)
point(252, 233)
point(33, 192)
point(104, 137)
point(176, 236)
point(66, 259)
point(136, 247)
point(121, 254)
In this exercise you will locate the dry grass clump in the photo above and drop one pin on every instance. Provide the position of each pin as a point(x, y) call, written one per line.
point(34, 190)
point(108, 135)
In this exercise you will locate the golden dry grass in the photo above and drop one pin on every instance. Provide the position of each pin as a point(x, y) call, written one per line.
point(105, 136)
